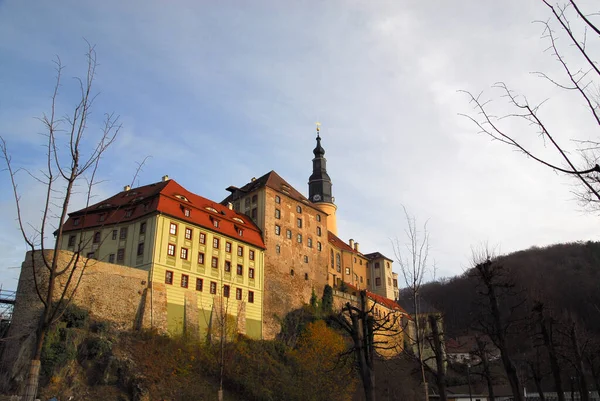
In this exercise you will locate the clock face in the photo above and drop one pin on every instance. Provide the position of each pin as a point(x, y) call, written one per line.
point(317, 197)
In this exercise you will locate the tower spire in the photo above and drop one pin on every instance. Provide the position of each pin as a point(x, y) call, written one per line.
point(319, 183)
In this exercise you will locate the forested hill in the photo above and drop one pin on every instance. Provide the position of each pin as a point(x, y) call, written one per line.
point(564, 277)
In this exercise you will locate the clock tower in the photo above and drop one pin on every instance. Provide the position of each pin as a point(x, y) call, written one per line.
point(319, 185)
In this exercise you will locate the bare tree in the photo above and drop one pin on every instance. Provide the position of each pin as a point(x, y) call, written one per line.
point(71, 163)
point(581, 75)
point(494, 285)
point(368, 333)
point(413, 259)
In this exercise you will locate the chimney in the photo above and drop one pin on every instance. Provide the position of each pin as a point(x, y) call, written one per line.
point(126, 188)
point(165, 178)
point(356, 247)
point(351, 242)
point(229, 205)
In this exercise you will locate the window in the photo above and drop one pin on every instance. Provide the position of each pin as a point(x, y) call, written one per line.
point(214, 263)
point(238, 294)
point(188, 233)
point(361, 279)
point(305, 258)
point(102, 217)
point(213, 287)
point(378, 281)
point(90, 255)
point(168, 277)
point(140, 250)
point(298, 209)
point(277, 249)
point(123, 233)
point(360, 262)
point(318, 246)
point(226, 291)
point(377, 265)
point(299, 222)
point(202, 238)
point(254, 199)
point(228, 247)
point(347, 270)
point(111, 258)
point(309, 242)
point(183, 254)
point(171, 249)
point(114, 234)
point(395, 283)
point(318, 217)
point(299, 238)
point(200, 258)
point(368, 282)
point(185, 279)
point(186, 212)
point(143, 227)
point(251, 254)
point(216, 243)
point(120, 255)
point(128, 212)
point(76, 221)
point(332, 259)
point(277, 230)
point(199, 284)
point(251, 272)
point(254, 213)
point(277, 199)
point(71, 240)
point(277, 213)
point(288, 234)
point(305, 276)
point(240, 270)
point(291, 272)
point(338, 262)
point(240, 251)
point(389, 281)
point(240, 232)
point(173, 229)
point(216, 223)
point(319, 231)
point(227, 266)
point(387, 264)
point(247, 202)
point(251, 297)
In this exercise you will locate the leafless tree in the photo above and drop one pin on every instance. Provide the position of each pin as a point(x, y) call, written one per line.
point(72, 157)
point(413, 258)
point(363, 326)
point(581, 75)
point(494, 284)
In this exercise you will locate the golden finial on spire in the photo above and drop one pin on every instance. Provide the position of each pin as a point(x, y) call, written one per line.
point(318, 124)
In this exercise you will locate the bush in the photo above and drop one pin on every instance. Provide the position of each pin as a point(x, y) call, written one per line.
point(97, 347)
point(60, 347)
point(75, 316)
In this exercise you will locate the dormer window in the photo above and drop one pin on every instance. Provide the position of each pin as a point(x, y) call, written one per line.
point(76, 221)
point(211, 209)
point(183, 198)
point(102, 217)
point(128, 212)
point(238, 220)
point(240, 232)
point(216, 223)
point(187, 212)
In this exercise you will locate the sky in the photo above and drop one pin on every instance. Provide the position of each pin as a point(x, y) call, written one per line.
point(216, 93)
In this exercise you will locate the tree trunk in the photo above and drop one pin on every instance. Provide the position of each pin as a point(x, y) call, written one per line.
point(537, 379)
point(486, 369)
point(583, 384)
point(509, 366)
point(546, 331)
point(440, 376)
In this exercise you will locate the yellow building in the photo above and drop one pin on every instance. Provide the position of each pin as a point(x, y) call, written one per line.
point(184, 241)
point(346, 263)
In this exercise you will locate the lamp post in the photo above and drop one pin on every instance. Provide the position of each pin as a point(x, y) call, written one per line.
point(469, 380)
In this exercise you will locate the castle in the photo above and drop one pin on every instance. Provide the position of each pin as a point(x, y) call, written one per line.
point(262, 251)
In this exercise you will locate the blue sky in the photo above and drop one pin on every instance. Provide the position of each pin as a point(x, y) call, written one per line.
point(220, 92)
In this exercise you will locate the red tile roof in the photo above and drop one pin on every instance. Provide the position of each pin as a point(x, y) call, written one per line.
point(271, 180)
point(338, 243)
point(170, 198)
point(388, 303)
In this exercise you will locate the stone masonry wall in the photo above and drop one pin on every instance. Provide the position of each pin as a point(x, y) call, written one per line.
point(118, 294)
